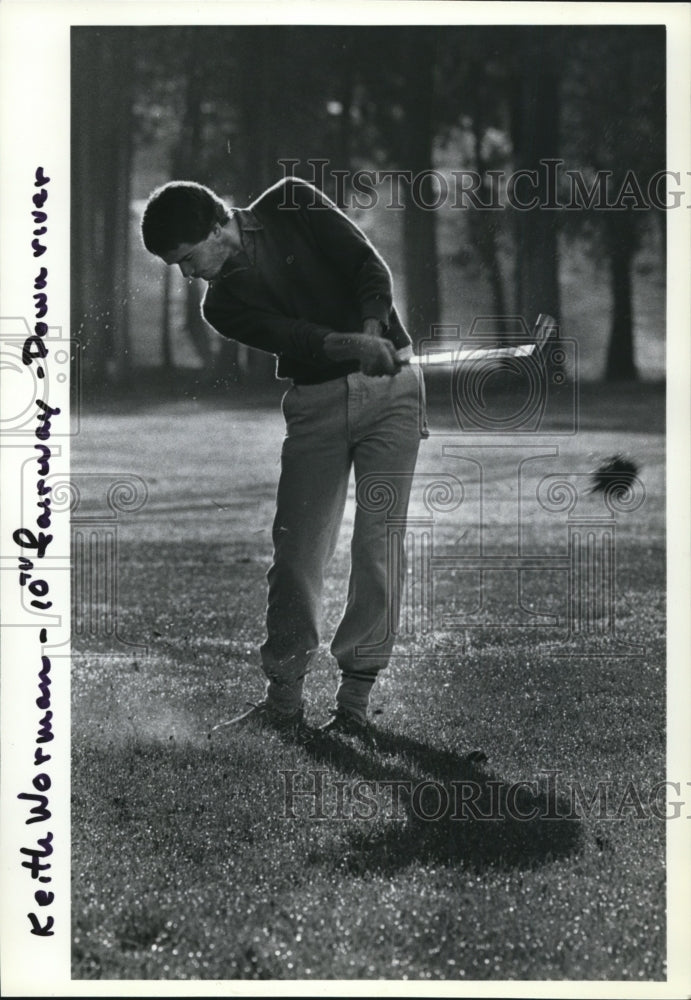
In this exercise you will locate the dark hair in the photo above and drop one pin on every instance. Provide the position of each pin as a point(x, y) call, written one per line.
point(180, 212)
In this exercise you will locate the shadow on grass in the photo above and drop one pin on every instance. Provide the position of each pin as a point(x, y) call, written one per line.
point(455, 810)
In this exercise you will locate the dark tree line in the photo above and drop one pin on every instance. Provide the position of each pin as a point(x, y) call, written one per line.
point(231, 102)
point(101, 150)
point(616, 100)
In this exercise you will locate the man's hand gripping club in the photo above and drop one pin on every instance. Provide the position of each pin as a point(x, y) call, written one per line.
point(377, 356)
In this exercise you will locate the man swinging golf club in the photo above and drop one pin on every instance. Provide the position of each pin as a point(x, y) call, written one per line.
point(293, 276)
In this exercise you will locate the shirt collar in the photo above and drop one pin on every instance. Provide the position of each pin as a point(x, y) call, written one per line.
point(247, 220)
point(241, 261)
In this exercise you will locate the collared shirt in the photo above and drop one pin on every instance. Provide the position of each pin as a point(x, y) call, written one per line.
point(305, 270)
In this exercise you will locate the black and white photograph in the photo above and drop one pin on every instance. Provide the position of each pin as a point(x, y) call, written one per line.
point(345, 499)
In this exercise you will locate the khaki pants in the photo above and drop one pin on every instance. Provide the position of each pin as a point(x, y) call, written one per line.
point(374, 425)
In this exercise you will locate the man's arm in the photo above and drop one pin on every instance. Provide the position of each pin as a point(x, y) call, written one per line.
point(267, 330)
point(344, 243)
point(300, 339)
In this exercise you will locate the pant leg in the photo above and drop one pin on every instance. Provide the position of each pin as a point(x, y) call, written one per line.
point(312, 490)
point(387, 420)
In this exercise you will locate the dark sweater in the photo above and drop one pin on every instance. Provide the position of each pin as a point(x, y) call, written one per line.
point(305, 271)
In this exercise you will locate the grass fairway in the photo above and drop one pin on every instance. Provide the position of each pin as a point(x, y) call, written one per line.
point(189, 859)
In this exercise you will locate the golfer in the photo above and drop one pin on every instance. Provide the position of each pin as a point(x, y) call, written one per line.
point(294, 276)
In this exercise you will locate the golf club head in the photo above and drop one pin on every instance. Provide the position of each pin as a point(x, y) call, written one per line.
point(545, 329)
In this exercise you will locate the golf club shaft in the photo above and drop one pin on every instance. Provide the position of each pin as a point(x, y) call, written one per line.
point(470, 356)
point(544, 327)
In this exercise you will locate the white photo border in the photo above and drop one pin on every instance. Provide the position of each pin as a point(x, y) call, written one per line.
point(35, 133)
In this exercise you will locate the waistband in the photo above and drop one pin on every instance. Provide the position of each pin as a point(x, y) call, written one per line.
point(322, 379)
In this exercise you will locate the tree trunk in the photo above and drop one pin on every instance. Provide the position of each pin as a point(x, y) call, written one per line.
point(621, 365)
point(345, 131)
point(184, 165)
point(261, 82)
point(196, 328)
point(87, 250)
point(535, 136)
point(166, 340)
point(483, 224)
point(419, 231)
point(621, 231)
point(119, 76)
point(102, 70)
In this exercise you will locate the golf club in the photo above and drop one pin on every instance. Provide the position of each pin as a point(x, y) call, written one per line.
point(544, 328)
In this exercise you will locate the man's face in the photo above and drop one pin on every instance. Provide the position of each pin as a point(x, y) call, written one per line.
point(200, 260)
